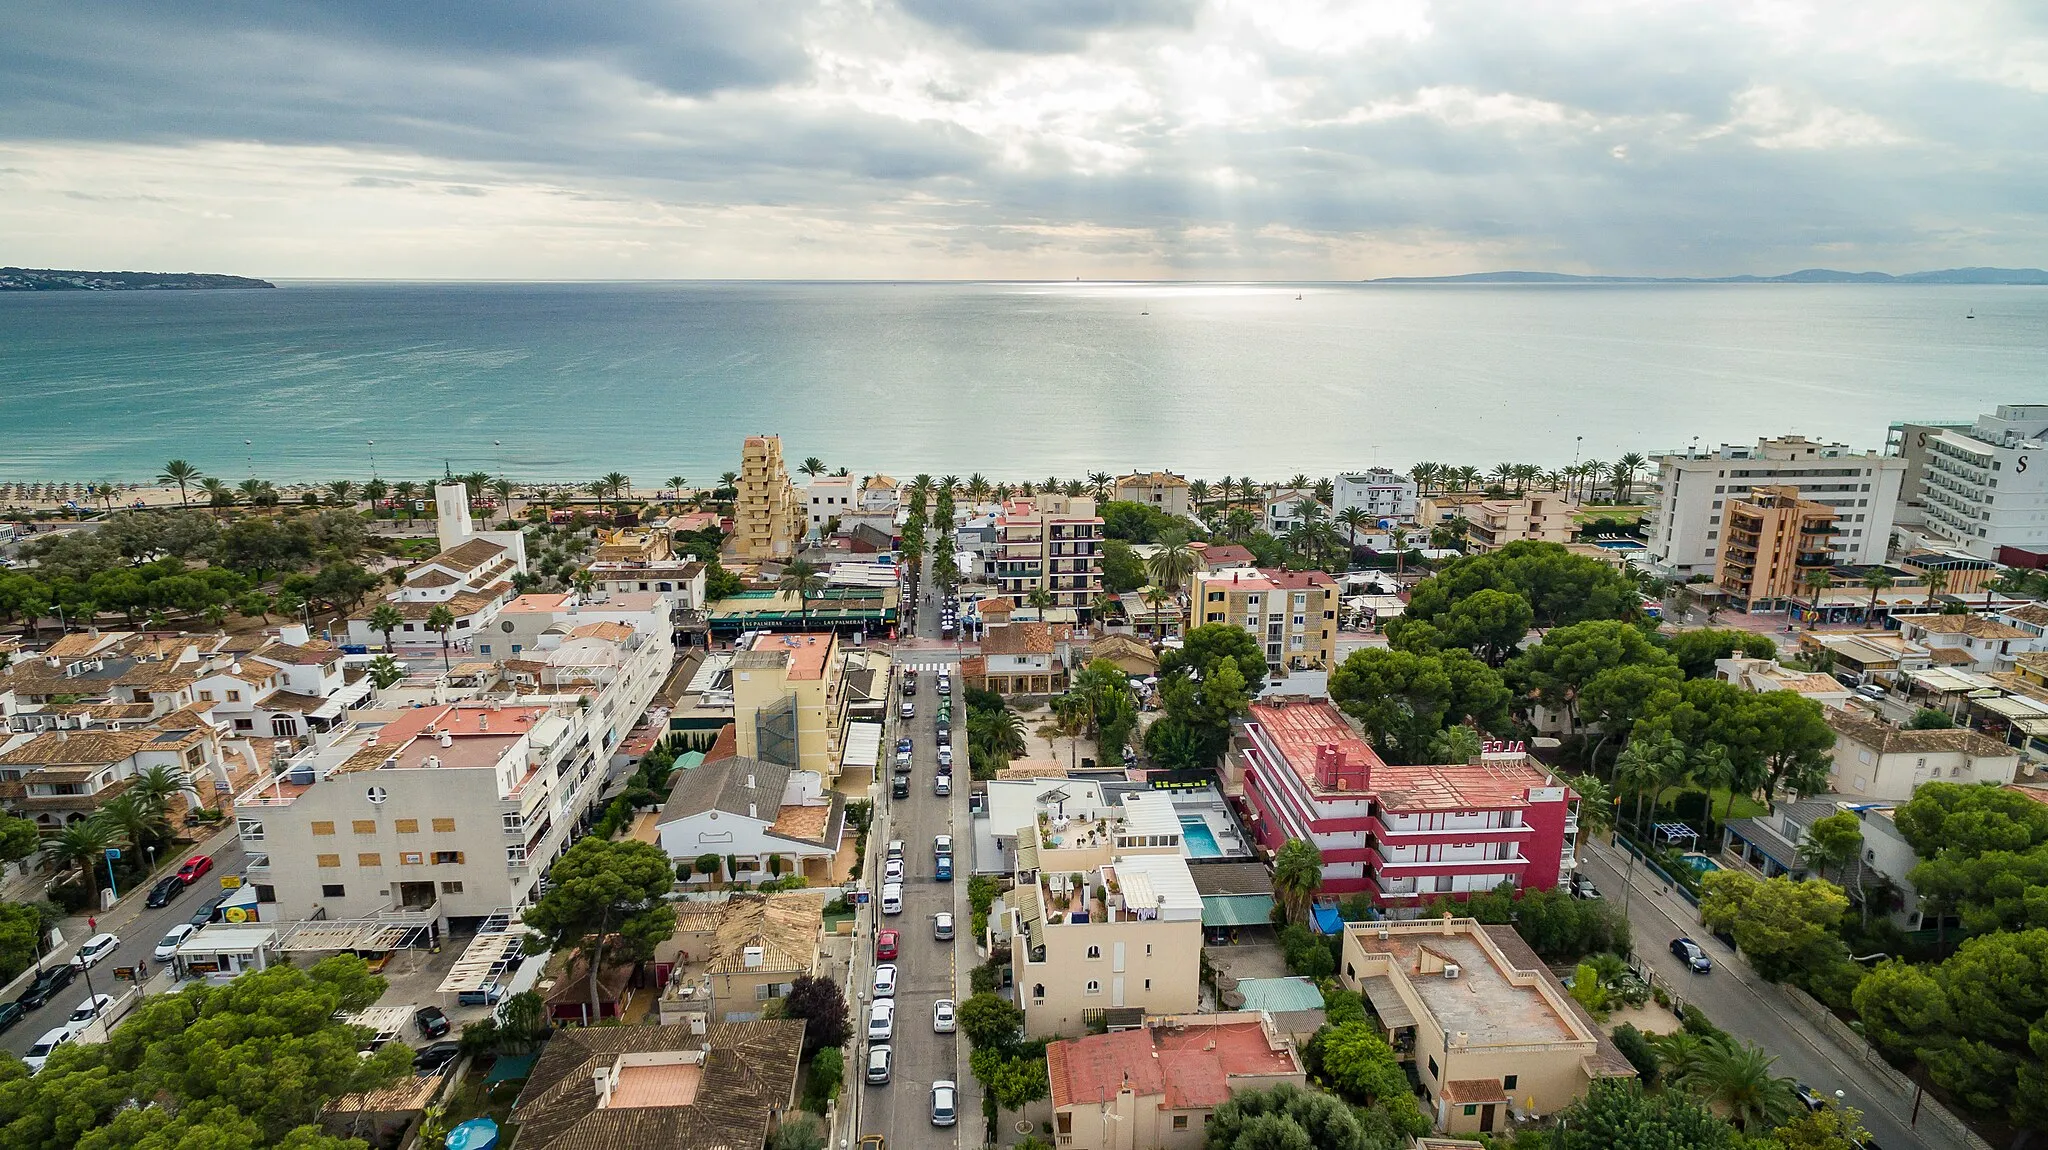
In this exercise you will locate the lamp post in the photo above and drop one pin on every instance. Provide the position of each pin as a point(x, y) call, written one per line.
point(372, 445)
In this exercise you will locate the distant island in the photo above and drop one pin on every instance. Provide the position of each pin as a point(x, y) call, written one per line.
point(48, 279)
point(1808, 276)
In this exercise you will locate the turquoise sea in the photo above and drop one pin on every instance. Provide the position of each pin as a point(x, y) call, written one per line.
point(1015, 380)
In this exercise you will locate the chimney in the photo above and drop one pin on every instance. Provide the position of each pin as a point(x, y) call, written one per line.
point(447, 740)
point(1448, 932)
point(602, 1079)
point(753, 812)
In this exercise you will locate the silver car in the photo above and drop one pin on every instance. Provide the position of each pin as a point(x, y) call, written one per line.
point(945, 1102)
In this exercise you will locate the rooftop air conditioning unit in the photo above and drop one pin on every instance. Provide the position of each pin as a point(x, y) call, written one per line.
point(1451, 970)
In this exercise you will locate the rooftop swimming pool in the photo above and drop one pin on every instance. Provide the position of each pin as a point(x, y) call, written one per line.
point(1198, 838)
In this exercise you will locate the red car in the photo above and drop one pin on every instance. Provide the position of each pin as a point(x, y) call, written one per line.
point(885, 946)
point(194, 867)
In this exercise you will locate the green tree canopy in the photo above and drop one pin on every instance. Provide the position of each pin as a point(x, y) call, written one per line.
point(1558, 671)
point(1560, 587)
point(1122, 570)
point(605, 894)
point(1780, 925)
point(1286, 1118)
point(1697, 651)
point(990, 1022)
point(1617, 1114)
point(1404, 698)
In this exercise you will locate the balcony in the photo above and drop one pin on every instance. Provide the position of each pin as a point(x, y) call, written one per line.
point(1383, 865)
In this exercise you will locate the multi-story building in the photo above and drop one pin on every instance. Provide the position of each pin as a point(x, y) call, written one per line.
point(1492, 1033)
point(1403, 834)
point(60, 777)
point(748, 812)
point(1158, 1085)
point(1691, 490)
point(728, 958)
point(795, 698)
point(1773, 542)
point(1987, 487)
point(644, 559)
point(471, 577)
point(767, 516)
point(1970, 642)
point(1909, 442)
point(1490, 524)
point(1104, 915)
point(1160, 490)
point(1875, 760)
point(1291, 614)
point(440, 814)
point(1380, 492)
point(1282, 508)
point(829, 497)
point(1050, 542)
point(690, 1086)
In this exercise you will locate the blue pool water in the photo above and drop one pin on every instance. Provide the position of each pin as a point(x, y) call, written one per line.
point(1200, 840)
point(1620, 545)
point(1699, 863)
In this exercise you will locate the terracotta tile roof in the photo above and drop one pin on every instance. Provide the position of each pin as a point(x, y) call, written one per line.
point(1298, 580)
point(1890, 740)
point(1466, 1091)
point(462, 603)
point(723, 786)
point(313, 653)
point(468, 556)
point(750, 1072)
point(613, 632)
point(802, 822)
point(725, 746)
point(785, 925)
point(1971, 626)
point(77, 748)
point(79, 644)
point(294, 702)
point(157, 676)
point(1220, 555)
point(1018, 639)
point(430, 577)
point(1950, 656)
point(1203, 1059)
point(1152, 479)
point(2035, 613)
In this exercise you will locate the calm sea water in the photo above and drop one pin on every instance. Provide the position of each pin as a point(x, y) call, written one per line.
point(567, 381)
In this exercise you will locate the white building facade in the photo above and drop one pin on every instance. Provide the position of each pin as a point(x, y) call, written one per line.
point(1987, 487)
point(1380, 492)
point(1691, 490)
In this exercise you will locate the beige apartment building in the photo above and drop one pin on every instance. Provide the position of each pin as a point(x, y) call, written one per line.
point(795, 696)
point(1773, 539)
point(1105, 914)
point(1053, 542)
point(1491, 1031)
point(1158, 1085)
point(1162, 490)
point(767, 514)
point(1490, 524)
point(1292, 614)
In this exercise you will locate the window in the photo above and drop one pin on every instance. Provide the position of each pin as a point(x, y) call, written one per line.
point(1094, 952)
point(1180, 1122)
point(1508, 1083)
point(250, 829)
point(369, 858)
point(1471, 1109)
point(1432, 1067)
point(443, 858)
point(484, 648)
point(1094, 987)
point(1148, 984)
point(363, 826)
point(333, 890)
point(515, 856)
point(328, 860)
point(234, 696)
point(451, 888)
point(444, 826)
point(407, 826)
point(1038, 992)
point(514, 823)
point(411, 858)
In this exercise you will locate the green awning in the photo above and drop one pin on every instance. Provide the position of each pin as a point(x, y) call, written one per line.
point(1237, 910)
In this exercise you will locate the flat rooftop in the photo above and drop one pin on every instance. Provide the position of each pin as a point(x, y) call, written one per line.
point(802, 654)
point(1481, 1002)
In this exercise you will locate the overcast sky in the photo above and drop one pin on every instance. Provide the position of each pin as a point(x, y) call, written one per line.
point(1285, 139)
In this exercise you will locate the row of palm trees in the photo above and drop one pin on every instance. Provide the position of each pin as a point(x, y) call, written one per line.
point(1580, 480)
point(137, 818)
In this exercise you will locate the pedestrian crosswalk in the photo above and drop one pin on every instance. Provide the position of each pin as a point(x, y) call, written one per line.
point(947, 666)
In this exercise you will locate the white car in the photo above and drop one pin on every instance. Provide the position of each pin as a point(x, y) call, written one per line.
point(943, 1021)
point(894, 849)
point(96, 948)
point(882, 1020)
point(885, 980)
point(88, 1010)
point(168, 948)
point(39, 1054)
point(942, 925)
point(892, 871)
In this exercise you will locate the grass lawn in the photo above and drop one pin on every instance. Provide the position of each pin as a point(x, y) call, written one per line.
point(1746, 806)
point(1623, 512)
point(470, 1100)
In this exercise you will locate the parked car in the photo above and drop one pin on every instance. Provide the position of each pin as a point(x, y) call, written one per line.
point(945, 1102)
point(86, 1011)
point(942, 785)
point(39, 1054)
point(942, 845)
point(46, 985)
point(942, 925)
point(908, 710)
point(167, 949)
point(943, 1021)
point(432, 1058)
point(208, 909)
point(433, 1023)
point(879, 1058)
point(942, 868)
point(885, 980)
point(96, 948)
point(1809, 1097)
point(885, 945)
point(1583, 888)
point(894, 850)
point(486, 995)
point(11, 1013)
point(882, 1020)
point(945, 758)
point(167, 888)
point(899, 787)
point(1692, 954)
point(194, 869)
point(892, 871)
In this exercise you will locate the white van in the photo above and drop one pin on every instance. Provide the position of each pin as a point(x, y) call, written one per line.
point(892, 898)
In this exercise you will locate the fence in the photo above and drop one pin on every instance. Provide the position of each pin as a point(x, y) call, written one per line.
point(1656, 869)
point(1956, 1133)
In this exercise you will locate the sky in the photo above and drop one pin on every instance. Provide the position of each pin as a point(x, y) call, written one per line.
point(1021, 139)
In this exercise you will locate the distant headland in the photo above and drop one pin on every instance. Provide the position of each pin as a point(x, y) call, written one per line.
point(48, 279)
point(1808, 276)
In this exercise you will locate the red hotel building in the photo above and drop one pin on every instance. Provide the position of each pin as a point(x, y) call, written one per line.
point(1403, 833)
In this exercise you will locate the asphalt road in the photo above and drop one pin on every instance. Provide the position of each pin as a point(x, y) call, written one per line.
point(139, 928)
point(1750, 1008)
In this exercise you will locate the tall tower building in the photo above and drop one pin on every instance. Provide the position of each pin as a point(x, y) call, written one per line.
point(767, 517)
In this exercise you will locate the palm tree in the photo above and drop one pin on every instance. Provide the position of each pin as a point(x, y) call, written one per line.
point(1052, 485)
point(1649, 764)
point(1877, 579)
point(181, 473)
point(1297, 876)
point(802, 579)
point(1937, 582)
point(386, 618)
point(218, 493)
point(1198, 493)
point(1736, 1079)
point(1039, 598)
point(373, 493)
point(341, 493)
point(922, 483)
point(619, 486)
point(405, 489)
point(949, 484)
point(977, 487)
point(1424, 474)
point(675, 487)
point(1503, 473)
point(441, 620)
point(256, 491)
point(1625, 470)
point(135, 821)
point(1352, 518)
point(1002, 492)
point(1468, 478)
point(1241, 522)
point(156, 786)
point(1225, 487)
point(812, 466)
point(1173, 563)
point(1816, 581)
point(503, 488)
point(84, 844)
point(1072, 488)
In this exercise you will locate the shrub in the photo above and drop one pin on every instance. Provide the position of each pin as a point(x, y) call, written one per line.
point(828, 1071)
point(1636, 1048)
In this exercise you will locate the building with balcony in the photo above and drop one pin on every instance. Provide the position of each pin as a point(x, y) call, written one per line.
point(1970, 642)
point(1292, 615)
point(643, 559)
point(1018, 659)
point(1379, 492)
point(1104, 916)
point(471, 577)
point(59, 777)
point(1987, 487)
point(444, 814)
point(1692, 489)
point(1159, 490)
point(795, 695)
point(1492, 1033)
point(1157, 1086)
point(1773, 542)
point(1051, 543)
point(1281, 511)
point(1490, 524)
point(829, 497)
point(767, 514)
point(1402, 834)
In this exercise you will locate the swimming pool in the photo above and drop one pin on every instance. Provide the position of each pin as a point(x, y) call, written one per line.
point(1699, 863)
point(1200, 840)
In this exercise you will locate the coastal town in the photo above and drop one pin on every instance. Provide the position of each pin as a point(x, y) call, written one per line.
point(1460, 805)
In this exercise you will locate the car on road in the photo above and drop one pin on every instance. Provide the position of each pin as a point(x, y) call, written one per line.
point(899, 787)
point(86, 1011)
point(872, 1142)
point(433, 1023)
point(892, 898)
point(908, 710)
point(879, 1058)
point(1583, 887)
point(945, 1102)
point(943, 1021)
point(194, 869)
point(892, 871)
point(39, 1054)
point(1692, 954)
point(909, 683)
point(46, 985)
point(207, 910)
point(942, 785)
point(885, 980)
point(167, 888)
point(1809, 1097)
point(946, 759)
point(885, 945)
point(96, 948)
point(942, 868)
point(942, 845)
point(902, 762)
point(945, 686)
point(882, 1020)
point(431, 1059)
point(945, 729)
point(894, 850)
point(942, 925)
point(167, 948)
